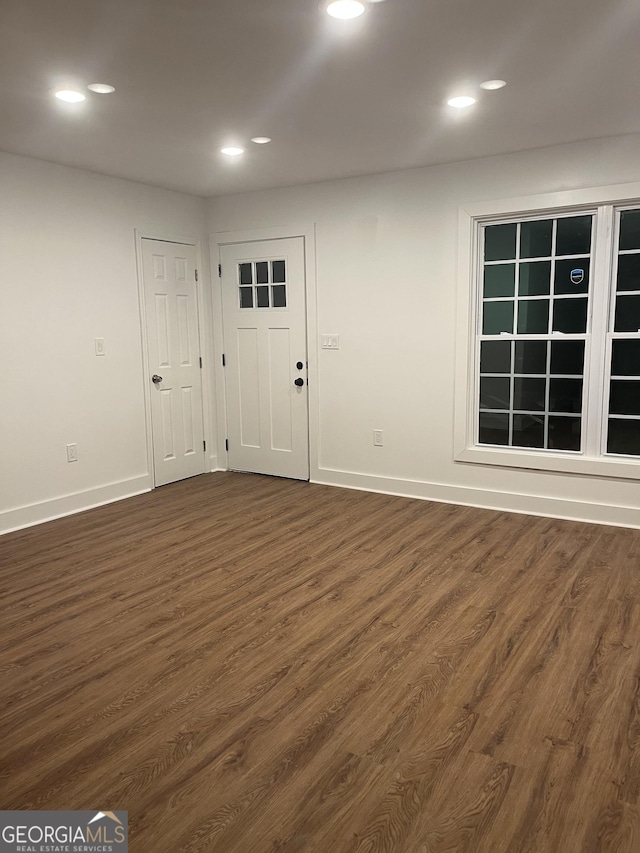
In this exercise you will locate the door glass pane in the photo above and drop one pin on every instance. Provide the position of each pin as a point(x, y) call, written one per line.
point(245, 274)
point(498, 317)
point(565, 395)
point(500, 242)
point(534, 278)
point(629, 272)
point(625, 358)
point(567, 357)
point(574, 235)
point(627, 314)
point(279, 296)
point(528, 430)
point(499, 280)
point(535, 238)
point(246, 297)
point(630, 229)
point(495, 357)
point(533, 317)
point(564, 433)
point(572, 276)
point(531, 357)
point(262, 272)
point(624, 437)
point(625, 397)
point(278, 272)
point(528, 394)
point(262, 294)
point(494, 428)
point(494, 393)
point(570, 316)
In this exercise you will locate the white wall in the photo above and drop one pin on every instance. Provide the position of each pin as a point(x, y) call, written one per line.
point(68, 275)
point(386, 279)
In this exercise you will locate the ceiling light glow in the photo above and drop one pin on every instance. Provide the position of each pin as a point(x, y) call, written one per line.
point(345, 9)
point(461, 102)
point(490, 85)
point(101, 88)
point(261, 140)
point(232, 151)
point(70, 96)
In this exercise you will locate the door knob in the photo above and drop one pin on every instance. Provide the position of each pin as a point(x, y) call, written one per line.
point(299, 382)
point(156, 379)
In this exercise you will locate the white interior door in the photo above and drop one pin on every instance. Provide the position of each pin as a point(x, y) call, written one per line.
point(263, 292)
point(171, 308)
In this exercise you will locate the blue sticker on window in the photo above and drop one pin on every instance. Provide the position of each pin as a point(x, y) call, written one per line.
point(577, 276)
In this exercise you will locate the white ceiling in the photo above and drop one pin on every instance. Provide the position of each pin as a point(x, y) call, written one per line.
point(339, 98)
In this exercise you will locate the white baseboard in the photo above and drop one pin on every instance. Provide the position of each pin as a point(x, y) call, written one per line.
point(37, 513)
point(572, 510)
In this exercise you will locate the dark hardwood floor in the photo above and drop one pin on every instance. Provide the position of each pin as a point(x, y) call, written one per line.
point(248, 664)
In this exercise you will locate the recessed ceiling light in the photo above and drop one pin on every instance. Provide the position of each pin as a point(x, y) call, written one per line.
point(101, 88)
point(261, 140)
point(461, 102)
point(345, 9)
point(493, 84)
point(70, 96)
point(232, 151)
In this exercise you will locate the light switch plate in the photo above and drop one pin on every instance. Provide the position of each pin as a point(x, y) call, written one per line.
point(100, 350)
point(330, 341)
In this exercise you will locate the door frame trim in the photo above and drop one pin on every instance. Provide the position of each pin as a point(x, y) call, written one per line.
point(202, 335)
point(306, 230)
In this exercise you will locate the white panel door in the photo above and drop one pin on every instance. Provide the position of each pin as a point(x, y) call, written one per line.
point(265, 339)
point(171, 307)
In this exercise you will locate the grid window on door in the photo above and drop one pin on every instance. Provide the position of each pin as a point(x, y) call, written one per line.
point(262, 284)
point(533, 332)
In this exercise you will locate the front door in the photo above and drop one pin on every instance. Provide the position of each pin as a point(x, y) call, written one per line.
point(263, 292)
point(171, 308)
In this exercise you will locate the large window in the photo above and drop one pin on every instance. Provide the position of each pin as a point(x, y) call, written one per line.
point(554, 358)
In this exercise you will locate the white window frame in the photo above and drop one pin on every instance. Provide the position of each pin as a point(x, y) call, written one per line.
point(589, 461)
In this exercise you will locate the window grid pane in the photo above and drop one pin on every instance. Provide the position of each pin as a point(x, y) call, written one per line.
point(262, 285)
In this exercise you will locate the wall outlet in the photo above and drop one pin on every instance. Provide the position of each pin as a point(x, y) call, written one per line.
point(72, 452)
point(330, 341)
point(377, 438)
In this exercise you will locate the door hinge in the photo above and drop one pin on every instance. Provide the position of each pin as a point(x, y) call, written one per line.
point(201, 362)
point(204, 445)
point(224, 361)
point(226, 444)
point(219, 270)
point(196, 275)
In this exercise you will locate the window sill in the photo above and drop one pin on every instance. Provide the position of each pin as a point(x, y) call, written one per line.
point(623, 468)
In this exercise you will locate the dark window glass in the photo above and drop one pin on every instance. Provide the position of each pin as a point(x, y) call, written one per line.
point(279, 296)
point(574, 236)
point(500, 242)
point(627, 314)
point(534, 278)
point(625, 397)
point(278, 272)
point(497, 317)
point(572, 276)
point(499, 280)
point(494, 393)
point(624, 437)
point(535, 239)
point(262, 272)
point(531, 357)
point(528, 431)
point(262, 294)
point(625, 359)
point(565, 395)
point(630, 229)
point(528, 394)
point(533, 317)
point(494, 428)
point(245, 274)
point(570, 316)
point(564, 433)
point(246, 297)
point(567, 357)
point(495, 357)
point(628, 272)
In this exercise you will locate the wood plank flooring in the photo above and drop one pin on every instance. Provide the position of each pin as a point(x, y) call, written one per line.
point(252, 665)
